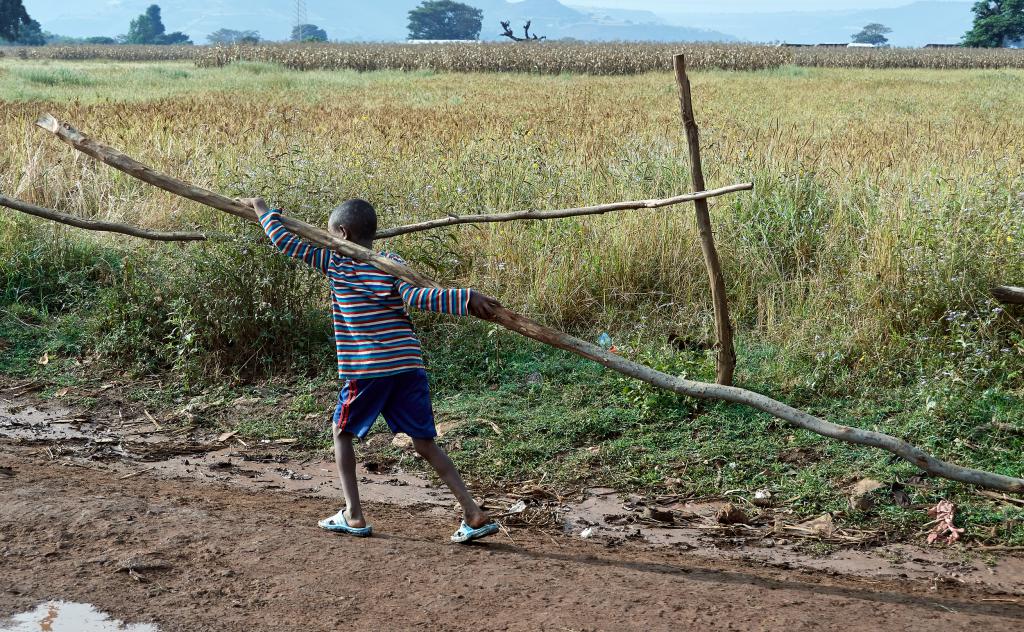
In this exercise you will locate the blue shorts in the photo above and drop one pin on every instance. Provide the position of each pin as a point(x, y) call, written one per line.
point(403, 399)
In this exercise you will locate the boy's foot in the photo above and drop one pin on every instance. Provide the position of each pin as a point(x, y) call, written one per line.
point(477, 519)
point(338, 523)
point(467, 533)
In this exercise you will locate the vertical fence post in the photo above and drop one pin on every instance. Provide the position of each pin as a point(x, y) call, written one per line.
point(725, 364)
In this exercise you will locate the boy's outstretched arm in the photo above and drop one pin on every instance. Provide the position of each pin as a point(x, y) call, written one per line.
point(286, 242)
point(460, 302)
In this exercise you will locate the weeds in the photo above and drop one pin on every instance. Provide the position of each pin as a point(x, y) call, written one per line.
point(858, 269)
point(57, 77)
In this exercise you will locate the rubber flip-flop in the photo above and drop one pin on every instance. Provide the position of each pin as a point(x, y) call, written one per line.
point(339, 524)
point(467, 533)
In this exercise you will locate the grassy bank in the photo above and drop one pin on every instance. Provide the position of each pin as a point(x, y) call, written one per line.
point(886, 205)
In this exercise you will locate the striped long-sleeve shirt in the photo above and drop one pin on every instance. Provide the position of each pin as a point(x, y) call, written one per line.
point(372, 331)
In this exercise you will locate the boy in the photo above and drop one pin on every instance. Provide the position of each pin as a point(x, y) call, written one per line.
point(379, 357)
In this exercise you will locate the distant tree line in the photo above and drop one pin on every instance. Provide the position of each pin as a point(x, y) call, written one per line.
point(996, 23)
point(231, 36)
point(17, 27)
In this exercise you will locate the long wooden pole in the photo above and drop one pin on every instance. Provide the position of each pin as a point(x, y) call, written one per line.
point(1009, 294)
point(453, 220)
point(92, 224)
point(532, 329)
point(726, 360)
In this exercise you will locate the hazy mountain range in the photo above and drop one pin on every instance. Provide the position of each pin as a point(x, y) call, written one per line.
point(385, 20)
point(916, 24)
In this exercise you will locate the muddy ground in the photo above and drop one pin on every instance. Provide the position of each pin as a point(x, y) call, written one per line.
point(191, 533)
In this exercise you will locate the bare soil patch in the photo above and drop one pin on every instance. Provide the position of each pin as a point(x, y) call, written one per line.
point(192, 534)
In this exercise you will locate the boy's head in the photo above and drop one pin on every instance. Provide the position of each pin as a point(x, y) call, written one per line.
point(355, 220)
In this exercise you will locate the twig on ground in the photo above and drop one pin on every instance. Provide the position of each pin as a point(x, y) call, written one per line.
point(136, 473)
point(151, 418)
point(15, 317)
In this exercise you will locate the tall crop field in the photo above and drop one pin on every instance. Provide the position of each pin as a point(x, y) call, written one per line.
point(886, 203)
point(620, 58)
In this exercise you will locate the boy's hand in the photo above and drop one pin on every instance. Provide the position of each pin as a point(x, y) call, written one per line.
point(482, 306)
point(257, 204)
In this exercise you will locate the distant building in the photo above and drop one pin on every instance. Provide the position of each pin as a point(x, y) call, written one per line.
point(942, 45)
point(831, 45)
point(860, 45)
point(417, 41)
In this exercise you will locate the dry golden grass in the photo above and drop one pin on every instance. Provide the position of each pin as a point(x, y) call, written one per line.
point(885, 199)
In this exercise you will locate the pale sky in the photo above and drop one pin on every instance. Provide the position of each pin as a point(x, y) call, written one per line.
point(721, 6)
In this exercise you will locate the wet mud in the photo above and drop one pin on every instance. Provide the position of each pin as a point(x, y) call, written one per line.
point(127, 504)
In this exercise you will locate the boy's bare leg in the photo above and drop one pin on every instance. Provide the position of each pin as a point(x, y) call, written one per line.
point(345, 457)
point(474, 516)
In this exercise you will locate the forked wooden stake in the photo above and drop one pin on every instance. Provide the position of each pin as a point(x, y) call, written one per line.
point(726, 360)
point(92, 224)
point(532, 329)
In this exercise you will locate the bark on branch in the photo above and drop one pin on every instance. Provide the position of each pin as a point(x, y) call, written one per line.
point(1009, 294)
point(726, 359)
point(560, 213)
point(92, 224)
point(532, 329)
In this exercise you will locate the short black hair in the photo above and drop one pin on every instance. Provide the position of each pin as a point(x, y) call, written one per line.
point(357, 217)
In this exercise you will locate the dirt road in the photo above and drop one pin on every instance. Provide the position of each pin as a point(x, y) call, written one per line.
point(153, 525)
point(200, 556)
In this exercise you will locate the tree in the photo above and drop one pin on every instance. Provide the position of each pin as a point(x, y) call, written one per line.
point(506, 26)
point(231, 36)
point(176, 37)
point(100, 39)
point(13, 17)
point(996, 23)
point(445, 20)
point(148, 28)
point(873, 33)
point(308, 33)
point(30, 34)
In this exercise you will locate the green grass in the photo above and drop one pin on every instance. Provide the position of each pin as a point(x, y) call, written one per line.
point(99, 81)
point(59, 77)
point(857, 271)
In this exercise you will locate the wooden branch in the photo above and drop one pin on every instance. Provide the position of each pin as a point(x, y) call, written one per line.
point(1009, 294)
point(91, 224)
point(506, 27)
point(556, 214)
point(507, 32)
point(793, 416)
point(726, 360)
point(532, 329)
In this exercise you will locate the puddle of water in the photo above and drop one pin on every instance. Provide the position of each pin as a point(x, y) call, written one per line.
point(30, 422)
point(52, 422)
point(63, 616)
